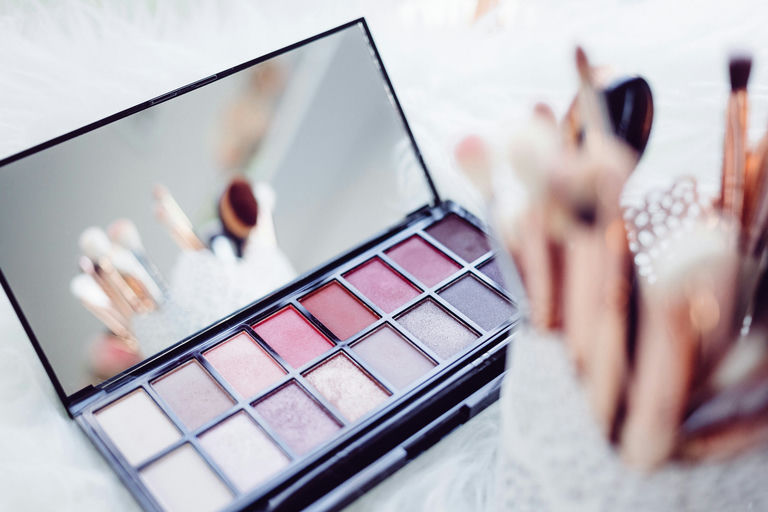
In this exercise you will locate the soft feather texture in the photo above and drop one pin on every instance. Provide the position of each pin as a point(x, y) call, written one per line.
point(65, 64)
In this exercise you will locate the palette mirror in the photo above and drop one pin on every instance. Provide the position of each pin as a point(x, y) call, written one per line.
point(277, 167)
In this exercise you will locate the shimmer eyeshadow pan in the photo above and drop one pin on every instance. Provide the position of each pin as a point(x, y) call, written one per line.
point(192, 394)
point(296, 418)
point(482, 305)
point(292, 336)
point(353, 392)
point(393, 357)
point(425, 262)
point(137, 426)
point(182, 481)
point(437, 329)
point(244, 364)
point(382, 285)
point(243, 451)
point(460, 236)
point(340, 311)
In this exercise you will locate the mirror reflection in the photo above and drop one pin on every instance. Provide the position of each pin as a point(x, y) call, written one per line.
point(124, 240)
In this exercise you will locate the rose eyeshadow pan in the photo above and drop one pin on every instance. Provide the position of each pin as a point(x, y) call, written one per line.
point(422, 260)
point(460, 236)
point(296, 418)
point(244, 364)
point(292, 336)
point(340, 311)
point(382, 285)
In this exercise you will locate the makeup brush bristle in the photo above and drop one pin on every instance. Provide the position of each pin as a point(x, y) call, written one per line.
point(124, 232)
point(739, 68)
point(86, 289)
point(244, 205)
point(94, 243)
point(473, 157)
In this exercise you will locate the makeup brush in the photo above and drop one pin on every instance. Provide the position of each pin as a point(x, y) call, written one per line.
point(123, 232)
point(168, 211)
point(238, 211)
point(134, 274)
point(683, 315)
point(93, 298)
point(735, 146)
point(96, 246)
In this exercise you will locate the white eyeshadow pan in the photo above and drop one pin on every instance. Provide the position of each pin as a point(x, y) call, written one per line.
point(137, 426)
point(243, 451)
point(182, 481)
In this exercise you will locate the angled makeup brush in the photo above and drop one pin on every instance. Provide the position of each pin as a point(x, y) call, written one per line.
point(238, 211)
point(180, 227)
point(735, 146)
point(123, 232)
point(116, 298)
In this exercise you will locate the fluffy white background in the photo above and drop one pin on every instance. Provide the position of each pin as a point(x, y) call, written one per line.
point(64, 64)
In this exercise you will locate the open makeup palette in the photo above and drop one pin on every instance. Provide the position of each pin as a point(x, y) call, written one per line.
point(383, 326)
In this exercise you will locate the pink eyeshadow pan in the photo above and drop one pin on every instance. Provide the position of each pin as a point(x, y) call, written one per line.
point(353, 392)
point(382, 285)
point(297, 418)
point(292, 336)
point(338, 310)
point(244, 364)
point(422, 260)
point(192, 394)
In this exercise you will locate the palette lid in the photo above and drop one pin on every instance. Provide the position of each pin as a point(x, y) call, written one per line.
point(126, 237)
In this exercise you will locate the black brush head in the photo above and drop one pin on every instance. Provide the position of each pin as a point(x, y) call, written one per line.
point(739, 68)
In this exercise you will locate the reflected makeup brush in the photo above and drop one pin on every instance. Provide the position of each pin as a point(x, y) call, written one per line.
point(238, 211)
point(735, 146)
point(123, 232)
point(85, 288)
point(168, 211)
point(89, 268)
point(96, 245)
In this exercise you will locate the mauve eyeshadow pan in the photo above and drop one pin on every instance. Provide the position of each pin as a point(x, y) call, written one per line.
point(460, 236)
point(353, 392)
point(292, 336)
point(338, 310)
point(422, 260)
point(382, 285)
point(296, 418)
point(491, 269)
point(482, 305)
point(393, 357)
point(437, 329)
point(192, 394)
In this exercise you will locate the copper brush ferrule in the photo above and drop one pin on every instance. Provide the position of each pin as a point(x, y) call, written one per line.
point(735, 145)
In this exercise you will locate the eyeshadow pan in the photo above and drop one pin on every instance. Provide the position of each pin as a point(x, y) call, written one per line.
point(243, 451)
point(422, 260)
point(182, 481)
point(491, 269)
point(460, 236)
point(485, 307)
point(292, 336)
point(393, 357)
point(353, 392)
point(340, 311)
point(137, 426)
point(437, 329)
point(244, 364)
point(296, 418)
point(192, 394)
point(382, 285)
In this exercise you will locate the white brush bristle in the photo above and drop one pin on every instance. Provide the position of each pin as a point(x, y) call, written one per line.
point(94, 243)
point(124, 233)
point(87, 290)
point(531, 152)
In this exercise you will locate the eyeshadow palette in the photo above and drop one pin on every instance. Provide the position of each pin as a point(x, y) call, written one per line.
point(349, 331)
